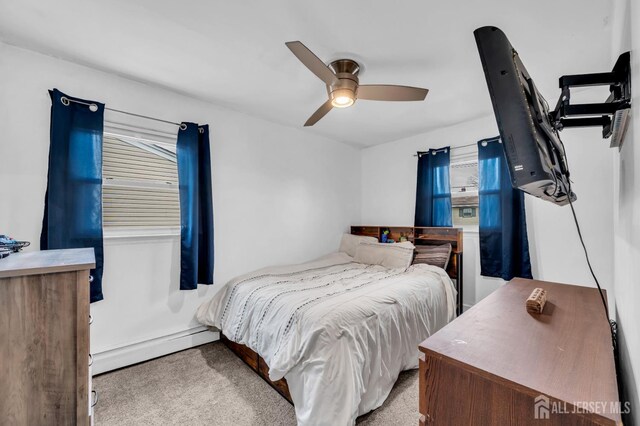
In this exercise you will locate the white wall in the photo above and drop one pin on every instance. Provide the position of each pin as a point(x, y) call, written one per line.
point(280, 194)
point(626, 215)
point(388, 197)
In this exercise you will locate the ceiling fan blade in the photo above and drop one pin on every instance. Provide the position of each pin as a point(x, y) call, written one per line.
point(320, 112)
point(388, 92)
point(311, 61)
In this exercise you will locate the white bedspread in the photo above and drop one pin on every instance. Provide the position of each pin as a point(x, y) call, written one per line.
point(340, 332)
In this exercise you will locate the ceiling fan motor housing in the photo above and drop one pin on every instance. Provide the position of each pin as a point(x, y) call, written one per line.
point(347, 84)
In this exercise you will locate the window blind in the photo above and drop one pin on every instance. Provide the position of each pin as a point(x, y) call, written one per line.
point(140, 183)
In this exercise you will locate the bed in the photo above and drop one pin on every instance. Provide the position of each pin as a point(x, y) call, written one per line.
point(332, 335)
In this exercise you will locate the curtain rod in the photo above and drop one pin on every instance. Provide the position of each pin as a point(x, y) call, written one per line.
point(94, 107)
point(419, 153)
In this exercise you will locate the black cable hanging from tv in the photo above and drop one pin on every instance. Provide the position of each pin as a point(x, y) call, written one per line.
point(612, 323)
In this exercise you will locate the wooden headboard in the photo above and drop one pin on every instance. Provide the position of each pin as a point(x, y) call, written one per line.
point(420, 235)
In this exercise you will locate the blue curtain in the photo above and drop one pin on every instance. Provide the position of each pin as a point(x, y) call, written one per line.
point(73, 201)
point(196, 206)
point(433, 194)
point(504, 247)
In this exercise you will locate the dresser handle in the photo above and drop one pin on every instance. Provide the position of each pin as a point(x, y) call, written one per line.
point(94, 393)
point(90, 319)
point(90, 360)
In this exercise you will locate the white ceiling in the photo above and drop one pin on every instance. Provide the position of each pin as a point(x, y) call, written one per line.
point(232, 53)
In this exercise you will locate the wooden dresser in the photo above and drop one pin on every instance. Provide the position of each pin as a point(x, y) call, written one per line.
point(499, 365)
point(44, 338)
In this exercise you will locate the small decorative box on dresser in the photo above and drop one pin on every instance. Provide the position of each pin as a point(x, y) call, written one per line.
point(44, 338)
point(498, 364)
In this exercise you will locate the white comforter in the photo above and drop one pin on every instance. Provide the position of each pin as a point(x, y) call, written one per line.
point(340, 332)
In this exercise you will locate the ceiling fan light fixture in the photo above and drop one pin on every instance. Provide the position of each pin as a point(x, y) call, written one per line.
point(343, 84)
point(342, 98)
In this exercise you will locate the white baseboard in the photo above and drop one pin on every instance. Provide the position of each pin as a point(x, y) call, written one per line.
point(149, 349)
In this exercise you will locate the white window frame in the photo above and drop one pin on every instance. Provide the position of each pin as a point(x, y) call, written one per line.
point(461, 156)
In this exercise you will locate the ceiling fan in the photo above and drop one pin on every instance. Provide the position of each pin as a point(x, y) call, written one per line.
point(343, 86)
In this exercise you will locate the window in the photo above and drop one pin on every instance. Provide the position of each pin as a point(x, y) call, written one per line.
point(140, 184)
point(464, 191)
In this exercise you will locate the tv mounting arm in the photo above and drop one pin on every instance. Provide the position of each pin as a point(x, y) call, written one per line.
point(612, 114)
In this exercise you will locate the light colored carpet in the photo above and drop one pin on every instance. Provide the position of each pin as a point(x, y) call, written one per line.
point(209, 385)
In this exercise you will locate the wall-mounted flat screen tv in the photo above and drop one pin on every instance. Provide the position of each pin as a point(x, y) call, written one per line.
point(534, 152)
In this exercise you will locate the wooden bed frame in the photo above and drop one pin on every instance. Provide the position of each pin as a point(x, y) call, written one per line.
point(257, 364)
point(418, 236)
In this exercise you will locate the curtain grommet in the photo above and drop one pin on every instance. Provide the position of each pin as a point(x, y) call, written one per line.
point(183, 126)
point(433, 153)
point(201, 129)
point(93, 107)
point(65, 101)
point(484, 143)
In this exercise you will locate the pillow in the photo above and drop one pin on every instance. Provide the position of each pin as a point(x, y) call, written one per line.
point(433, 255)
point(396, 255)
point(349, 243)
